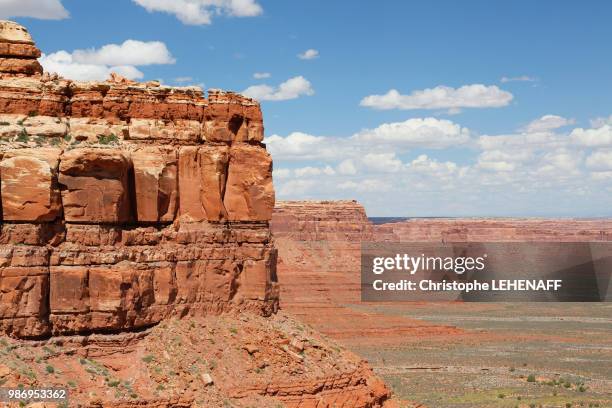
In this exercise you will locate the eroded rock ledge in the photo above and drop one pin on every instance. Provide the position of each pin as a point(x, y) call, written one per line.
point(124, 203)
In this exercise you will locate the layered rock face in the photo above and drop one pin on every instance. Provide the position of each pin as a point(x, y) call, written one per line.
point(135, 250)
point(124, 203)
point(495, 230)
point(319, 244)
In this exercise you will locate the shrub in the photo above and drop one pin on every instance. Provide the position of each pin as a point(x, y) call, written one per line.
point(50, 369)
point(114, 383)
point(148, 359)
point(23, 136)
point(531, 378)
point(104, 139)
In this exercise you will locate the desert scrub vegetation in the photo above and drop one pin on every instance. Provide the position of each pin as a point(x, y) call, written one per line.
point(23, 136)
point(93, 367)
point(108, 139)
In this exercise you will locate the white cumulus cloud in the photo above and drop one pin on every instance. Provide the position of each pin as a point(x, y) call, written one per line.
point(393, 169)
point(296, 146)
point(261, 75)
point(347, 167)
point(130, 52)
point(601, 136)
point(441, 97)
point(201, 12)
point(382, 162)
point(290, 89)
point(599, 122)
point(548, 122)
point(520, 78)
point(62, 63)
point(310, 171)
point(309, 54)
point(417, 132)
point(41, 9)
point(98, 64)
point(601, 160)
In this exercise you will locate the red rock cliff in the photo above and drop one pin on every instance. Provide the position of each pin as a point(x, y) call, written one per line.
point(124, 203)
point(319, 243)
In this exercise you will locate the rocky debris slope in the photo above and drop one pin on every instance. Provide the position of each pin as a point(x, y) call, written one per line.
point(125, 204)
point(232, 360)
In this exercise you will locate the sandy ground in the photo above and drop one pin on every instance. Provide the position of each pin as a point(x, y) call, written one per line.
point(482, 354)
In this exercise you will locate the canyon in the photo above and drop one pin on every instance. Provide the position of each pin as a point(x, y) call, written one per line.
point(444, 354)
point(136, 259)
point(319, 243)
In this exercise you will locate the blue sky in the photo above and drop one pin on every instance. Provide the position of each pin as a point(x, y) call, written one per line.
point(502, 108)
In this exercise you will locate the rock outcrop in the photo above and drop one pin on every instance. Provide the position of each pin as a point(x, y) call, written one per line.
point(124, 203)
point(135, 224)
point(495, 230)
point(319, 244)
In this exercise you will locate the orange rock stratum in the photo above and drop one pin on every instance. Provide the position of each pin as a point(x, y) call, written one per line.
point(136, 260)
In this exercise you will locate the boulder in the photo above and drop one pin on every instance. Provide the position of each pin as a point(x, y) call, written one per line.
point(46, 126)
point(11, 126)
point(11, 32)
point(24, 294)
point(95, 185)
point(156, 129)
point(20, 66)
point(28, 185)
point(90, 129)
point(17, 50)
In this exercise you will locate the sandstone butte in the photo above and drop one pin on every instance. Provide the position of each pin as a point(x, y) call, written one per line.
point(319, 246)
point(136, 260)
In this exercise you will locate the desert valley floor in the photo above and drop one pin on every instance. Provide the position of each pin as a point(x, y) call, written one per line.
point(482, 355)
point(446, 354)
